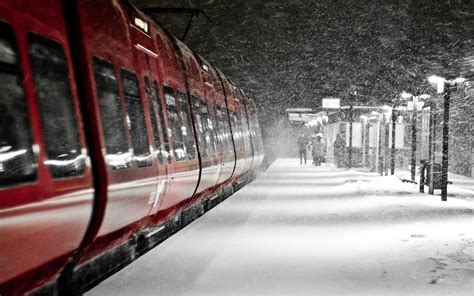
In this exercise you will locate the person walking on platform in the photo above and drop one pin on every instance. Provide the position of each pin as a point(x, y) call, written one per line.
point(302, 148)
point(339, 147)
point(319, 151)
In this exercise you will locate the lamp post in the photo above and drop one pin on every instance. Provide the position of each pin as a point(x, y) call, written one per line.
point(392, 154)
point(445, 86)
point(414, 104)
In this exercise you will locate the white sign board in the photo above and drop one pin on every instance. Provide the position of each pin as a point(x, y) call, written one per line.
point(331, 103)
point(295, 117)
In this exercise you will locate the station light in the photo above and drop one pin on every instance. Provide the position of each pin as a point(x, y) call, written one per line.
point(406, 95)
point(459, 80)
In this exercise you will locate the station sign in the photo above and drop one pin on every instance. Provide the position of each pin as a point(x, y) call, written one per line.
point(331, 103)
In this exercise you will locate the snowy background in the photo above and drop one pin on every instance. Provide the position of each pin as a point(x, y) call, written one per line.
point(294, 53)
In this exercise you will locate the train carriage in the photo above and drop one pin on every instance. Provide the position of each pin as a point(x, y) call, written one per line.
point(113, 135)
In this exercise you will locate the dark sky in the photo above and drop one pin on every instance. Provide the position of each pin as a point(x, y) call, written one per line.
point(294, 53)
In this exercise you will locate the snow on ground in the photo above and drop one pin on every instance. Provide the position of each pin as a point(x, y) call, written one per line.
point(315, 230)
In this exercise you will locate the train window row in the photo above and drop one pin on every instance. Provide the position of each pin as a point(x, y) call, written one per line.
point(59, 125)
point(52, 87)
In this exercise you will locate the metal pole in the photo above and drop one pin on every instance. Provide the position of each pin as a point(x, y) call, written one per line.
point(444, 168)
point(386, 147)
point(350, 137)
point(413, 140)
point(392, 158)
point(363, 143)
point(431, 149)
point(377, 147)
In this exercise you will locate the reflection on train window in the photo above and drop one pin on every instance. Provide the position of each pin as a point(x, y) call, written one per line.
point(117, 151)
point(214, 131)
point(136, 119)
point(165, 150)
point(17, 164)
point(223, 135)
point(210, 138)
point(230, 155)
point(176, 132)
point(237, 132)
point(154, 122)
point(245, 132)
point(200, 127)
point(58, 117)
point(186, 128)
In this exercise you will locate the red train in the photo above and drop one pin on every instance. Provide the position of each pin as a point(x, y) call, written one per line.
point(113, 135)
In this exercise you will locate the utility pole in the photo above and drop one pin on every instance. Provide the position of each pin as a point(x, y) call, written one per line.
point(444, 86)
point(444, 167)
point(392, 158)
point(413, 139)
point(351, 119)
point(431, 149)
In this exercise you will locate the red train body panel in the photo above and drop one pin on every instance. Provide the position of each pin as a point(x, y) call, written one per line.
point(113, 135)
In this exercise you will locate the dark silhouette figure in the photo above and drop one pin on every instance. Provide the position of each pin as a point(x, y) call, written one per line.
point(318, 151)
point(302, 148)
point(339, 151)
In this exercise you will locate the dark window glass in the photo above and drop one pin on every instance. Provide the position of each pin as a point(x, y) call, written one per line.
point(154, 122)
point(136, 119)
point(58, 117)
point(186, 128)
point(176, 132)
point(116, 146)
point(17, 162)
point(165, 149)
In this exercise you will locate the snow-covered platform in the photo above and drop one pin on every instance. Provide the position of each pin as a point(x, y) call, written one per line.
point(315, 230)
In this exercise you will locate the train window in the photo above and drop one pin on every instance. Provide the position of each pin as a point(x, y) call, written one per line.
point(58, 117)
point(245, 132)
point(116, 146)
point(17, 164)
point(237, 132)
point(136, 119)
point(200, 127)
point(176, 132)
point(154, 122)
point(215, 129)
point(186, 128)
point(208, 129)
point(221, 131)
point(228, 136)
point(165, 150)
